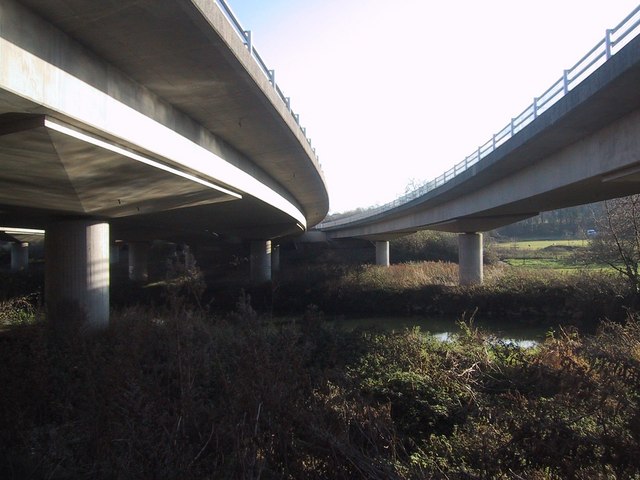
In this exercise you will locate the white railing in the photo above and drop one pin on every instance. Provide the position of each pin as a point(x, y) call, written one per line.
point(612, 43)
point(245, 36)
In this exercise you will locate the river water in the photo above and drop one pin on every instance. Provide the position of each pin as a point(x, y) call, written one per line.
point(444, 328)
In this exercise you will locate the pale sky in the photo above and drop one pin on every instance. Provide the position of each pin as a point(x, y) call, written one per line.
point(398, 92)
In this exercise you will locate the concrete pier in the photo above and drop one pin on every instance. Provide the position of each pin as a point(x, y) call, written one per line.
point(260, 261)
point(470, 258)
point(19, 256)
point(114, 254)
point(138, 261)
point(275, 259)
point(77, 274)
point(382, 253)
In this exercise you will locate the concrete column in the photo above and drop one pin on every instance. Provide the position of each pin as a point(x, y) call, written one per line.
point(261, 261)
point(382, 253)
point(77, 274)
point(470, 258)
point(138, 261)
point(114, 254)
point(275, 259)
point(19, 256)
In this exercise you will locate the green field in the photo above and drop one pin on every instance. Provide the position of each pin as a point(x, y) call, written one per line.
point(541, 244)
point(560, 254)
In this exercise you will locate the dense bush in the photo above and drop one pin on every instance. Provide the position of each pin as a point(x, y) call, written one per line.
point(16, 284)
point(491, 410)
point(425, 245)
point(167, 395)
point(431, 288)
point(174, 394)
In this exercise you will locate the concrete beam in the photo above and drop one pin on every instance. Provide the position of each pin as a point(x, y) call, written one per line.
point(470, 258)
point(77, 275)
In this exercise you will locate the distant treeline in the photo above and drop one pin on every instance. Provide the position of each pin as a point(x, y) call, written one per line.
point(572, 222)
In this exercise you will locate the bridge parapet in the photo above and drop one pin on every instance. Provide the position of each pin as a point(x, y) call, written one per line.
point(247, 37)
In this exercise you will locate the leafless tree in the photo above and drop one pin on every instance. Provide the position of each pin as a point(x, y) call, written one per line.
point(617, 239)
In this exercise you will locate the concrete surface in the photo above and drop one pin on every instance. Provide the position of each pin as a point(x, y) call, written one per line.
point(470, 258)
point(260, 261)
point(77, 275)
point(382, 253)
point(19, 256)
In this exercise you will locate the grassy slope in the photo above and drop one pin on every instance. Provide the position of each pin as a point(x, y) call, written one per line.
point(561, 255)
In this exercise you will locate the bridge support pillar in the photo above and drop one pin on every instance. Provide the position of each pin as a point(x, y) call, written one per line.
point(260, 261)
point(114, 254)
point(19, 256)
point(470, 258)
point(275, 259)
point(77, 275)
point(138, 261)
point(382, 253)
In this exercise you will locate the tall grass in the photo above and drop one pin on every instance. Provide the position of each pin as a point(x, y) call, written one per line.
point(431, 288)
point(402, 276)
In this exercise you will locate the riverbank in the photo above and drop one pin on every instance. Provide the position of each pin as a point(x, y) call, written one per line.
point(176, 393)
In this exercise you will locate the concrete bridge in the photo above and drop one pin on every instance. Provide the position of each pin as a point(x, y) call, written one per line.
point(138, 121)
point(579, 142)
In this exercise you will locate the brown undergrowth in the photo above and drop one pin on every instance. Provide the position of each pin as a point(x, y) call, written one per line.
point(173, 393)
point(581, 298)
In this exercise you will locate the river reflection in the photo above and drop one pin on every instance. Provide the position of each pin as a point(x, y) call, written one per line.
point(445, 329)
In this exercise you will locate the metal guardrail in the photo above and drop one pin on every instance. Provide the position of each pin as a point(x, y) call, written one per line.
point(615, 39)
point(245, 36)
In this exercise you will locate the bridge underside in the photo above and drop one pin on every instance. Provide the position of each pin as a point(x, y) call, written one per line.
point(84, 175)
point(52, 171)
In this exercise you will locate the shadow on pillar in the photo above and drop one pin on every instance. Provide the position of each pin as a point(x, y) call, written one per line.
point(139, 261)
point(77, 275)
point(19, 256)
point(260, 261)
point(275, 259)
